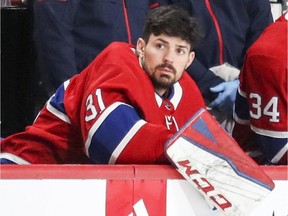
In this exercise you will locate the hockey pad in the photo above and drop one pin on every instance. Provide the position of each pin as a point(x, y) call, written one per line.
point(211, 160)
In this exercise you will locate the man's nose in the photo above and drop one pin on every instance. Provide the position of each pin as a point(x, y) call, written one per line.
point(168, 58)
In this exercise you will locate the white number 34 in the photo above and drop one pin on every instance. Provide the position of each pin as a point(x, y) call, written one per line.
point(270, 109)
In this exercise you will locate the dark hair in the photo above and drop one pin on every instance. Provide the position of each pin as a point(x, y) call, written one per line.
point(171, 21)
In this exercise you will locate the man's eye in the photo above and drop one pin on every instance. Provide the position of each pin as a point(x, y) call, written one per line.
point(180, 51)
point(160, 46)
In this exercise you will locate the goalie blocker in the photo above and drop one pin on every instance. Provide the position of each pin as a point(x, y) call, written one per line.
point(211, 160)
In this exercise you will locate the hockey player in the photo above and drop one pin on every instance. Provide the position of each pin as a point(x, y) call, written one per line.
point(261, 100)
point(123, 107)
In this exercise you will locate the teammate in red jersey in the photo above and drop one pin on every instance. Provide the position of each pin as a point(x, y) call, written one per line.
point(123, 107)
point(262, 96)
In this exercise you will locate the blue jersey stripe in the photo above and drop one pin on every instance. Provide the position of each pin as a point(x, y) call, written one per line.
point(271, 150)
point(241, 108)
point(110, 131)
point(57, 100)
point(56, 106)
point(6, 161)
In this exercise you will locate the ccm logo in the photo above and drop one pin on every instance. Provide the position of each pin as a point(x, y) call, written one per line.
point(204, 185)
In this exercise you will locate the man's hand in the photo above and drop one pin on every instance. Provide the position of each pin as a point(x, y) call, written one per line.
point(226, 96)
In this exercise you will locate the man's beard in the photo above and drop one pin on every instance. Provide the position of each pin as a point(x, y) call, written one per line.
point(164, 81)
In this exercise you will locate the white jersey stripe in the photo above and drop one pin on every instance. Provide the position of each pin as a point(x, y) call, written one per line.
point(98, 123)
point(125, 140)
point(13, 158)
point(57, 113)
point(280, 154)
point(270, 133)
point(178, 92)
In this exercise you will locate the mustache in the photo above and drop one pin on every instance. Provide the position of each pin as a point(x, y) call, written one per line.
point(169, 66)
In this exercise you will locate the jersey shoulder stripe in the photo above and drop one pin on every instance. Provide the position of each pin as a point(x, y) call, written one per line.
point(55, 104)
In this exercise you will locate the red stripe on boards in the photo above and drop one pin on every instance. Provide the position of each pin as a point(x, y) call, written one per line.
point(153, 194)
point(119, 197)
point(136, 197)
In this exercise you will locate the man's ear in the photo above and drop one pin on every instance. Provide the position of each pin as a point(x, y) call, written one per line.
point(190, 59)
point(140, 47)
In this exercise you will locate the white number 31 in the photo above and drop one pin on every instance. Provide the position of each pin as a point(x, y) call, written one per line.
point(271, 108)
point(90, 107)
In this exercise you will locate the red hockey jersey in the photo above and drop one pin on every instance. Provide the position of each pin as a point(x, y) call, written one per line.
point(109, 113)
point(262, 95)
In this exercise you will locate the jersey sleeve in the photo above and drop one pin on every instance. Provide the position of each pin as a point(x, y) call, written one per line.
point(266, 94)
point(51, 139)
point(120, 135)
point(262, 97)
